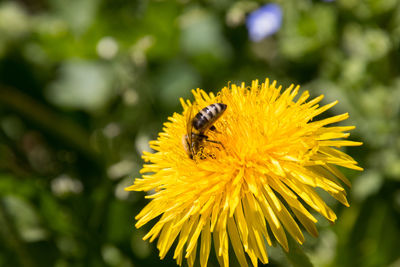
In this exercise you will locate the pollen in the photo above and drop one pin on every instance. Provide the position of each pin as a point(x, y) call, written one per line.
point(253, 189)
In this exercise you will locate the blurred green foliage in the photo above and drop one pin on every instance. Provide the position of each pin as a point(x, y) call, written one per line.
point(85, 84)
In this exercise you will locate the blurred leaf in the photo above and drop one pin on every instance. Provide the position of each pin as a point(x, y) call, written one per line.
point(373, 235)
point(78, 13)
point(201, 35)
point(307, 31)
point(26, 219)
point(370, 44)
point(82, 85)
point(296, 255)
point(176, 80)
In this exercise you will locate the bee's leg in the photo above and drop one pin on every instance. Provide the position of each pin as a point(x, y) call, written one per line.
point(202, 136)
point(212, 128)
point(215, 142)
point(205, 138)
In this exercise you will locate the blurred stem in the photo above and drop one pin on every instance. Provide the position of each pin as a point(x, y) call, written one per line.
point(296, 255)
point(12, 239)
point(64, 129)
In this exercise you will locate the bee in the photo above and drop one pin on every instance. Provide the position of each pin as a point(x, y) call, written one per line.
point(198, 127)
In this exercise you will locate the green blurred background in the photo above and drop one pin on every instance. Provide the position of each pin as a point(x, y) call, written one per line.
point(85, 84)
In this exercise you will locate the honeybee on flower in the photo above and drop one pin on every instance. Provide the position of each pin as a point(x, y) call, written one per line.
point(198, 126)
point(248, 193)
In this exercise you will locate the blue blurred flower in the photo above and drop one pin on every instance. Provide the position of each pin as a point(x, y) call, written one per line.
point(264, 22)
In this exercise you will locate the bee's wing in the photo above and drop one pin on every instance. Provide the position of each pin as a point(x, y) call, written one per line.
point(189, 120)
point(189, 127)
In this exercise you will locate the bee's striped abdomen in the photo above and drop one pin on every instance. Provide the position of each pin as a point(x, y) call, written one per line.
point(207, 116)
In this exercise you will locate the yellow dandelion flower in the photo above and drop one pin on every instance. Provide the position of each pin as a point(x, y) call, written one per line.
point(251, 188)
